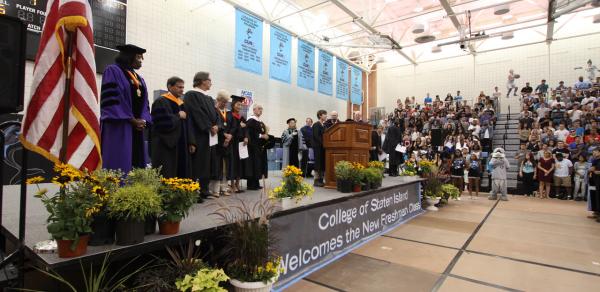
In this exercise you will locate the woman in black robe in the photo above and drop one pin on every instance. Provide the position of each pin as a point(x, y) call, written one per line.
point(376, 143)
point(236, 126)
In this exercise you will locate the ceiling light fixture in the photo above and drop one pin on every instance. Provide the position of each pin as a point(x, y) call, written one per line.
point(436, 49)
point(502, 9)
point(507, 17)
point(418, 28)
point(507, 35)
point(418, 9)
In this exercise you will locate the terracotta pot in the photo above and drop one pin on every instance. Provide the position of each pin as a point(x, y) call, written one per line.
point(64, 247)
point(168, 227)
point(356, 188)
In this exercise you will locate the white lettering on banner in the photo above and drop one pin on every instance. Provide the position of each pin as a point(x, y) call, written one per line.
point(338, 217)
point(342, 225)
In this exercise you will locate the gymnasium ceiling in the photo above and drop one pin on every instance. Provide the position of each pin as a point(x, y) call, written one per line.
point(369, 31)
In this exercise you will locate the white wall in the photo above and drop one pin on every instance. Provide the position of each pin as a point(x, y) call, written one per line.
point(471, 74)
point(182, 42)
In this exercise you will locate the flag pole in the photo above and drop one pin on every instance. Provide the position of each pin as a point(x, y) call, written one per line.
point(67, 95)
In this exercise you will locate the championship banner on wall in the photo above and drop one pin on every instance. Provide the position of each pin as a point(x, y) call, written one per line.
point(248, 42)
point(356, 85)
point(280, 65)
point(325, 73)
point(341, 79)
point(306, 65)
point(310, 238)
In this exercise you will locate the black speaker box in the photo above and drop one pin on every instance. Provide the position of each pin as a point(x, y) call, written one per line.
point(12, 64)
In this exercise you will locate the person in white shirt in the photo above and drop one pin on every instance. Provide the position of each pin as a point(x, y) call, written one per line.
point(475, 128)
point(562, 133)
point(562, 176)
point(575, 113)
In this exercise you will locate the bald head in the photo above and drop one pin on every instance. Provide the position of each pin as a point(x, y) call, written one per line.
point(334, 115)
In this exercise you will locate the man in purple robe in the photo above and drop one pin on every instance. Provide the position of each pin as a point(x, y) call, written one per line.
point(125, 111)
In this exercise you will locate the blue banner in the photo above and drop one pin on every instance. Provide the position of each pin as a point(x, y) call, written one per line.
point(280, 65)
point(325, 73)
point(248, 42)
point(306, 65)
point(356, 86)
point(341, 79)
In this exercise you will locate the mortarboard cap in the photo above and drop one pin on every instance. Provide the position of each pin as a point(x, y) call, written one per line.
point(237, 98)
point(289, 120)
point(129, 48)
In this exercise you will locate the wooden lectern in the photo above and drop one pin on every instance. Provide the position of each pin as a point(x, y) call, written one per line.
point(350, 141)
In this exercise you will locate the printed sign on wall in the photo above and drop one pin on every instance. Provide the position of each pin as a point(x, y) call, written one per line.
point(248, 42)
point(325, 73)
point(356, 86)
point(341, 80)
point(306, 65)
point(280, 65)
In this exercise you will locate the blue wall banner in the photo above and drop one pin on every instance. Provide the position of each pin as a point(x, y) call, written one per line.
point(248, 42)
point(325, 73)
point(280, 63)
point(306, 65)
point(356, 86)
point(341, 79)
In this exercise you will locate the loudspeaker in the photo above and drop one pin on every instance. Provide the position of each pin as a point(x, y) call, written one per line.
point(12, 64)
point(436, 137)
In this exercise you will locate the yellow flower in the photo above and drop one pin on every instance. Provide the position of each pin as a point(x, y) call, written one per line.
point(35, 180)
point(41, 192)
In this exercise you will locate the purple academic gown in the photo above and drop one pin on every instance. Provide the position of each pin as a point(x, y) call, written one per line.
point(117, 108)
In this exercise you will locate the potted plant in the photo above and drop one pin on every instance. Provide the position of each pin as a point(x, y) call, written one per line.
point(203, 280)
point(102, 183)
point(449, 191)
point(256, 270)
point(130, 206)
point(432, 190)
point(70, 210)
point(178, 196)
point(149, 177)
point(373, 177)
point(356, 176)
point(426, 167)
point(292, 187)
point(343, 175)
point(365, 184)
point(377, 165)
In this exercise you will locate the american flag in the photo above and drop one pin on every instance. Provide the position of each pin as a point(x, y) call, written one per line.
point(43, 121)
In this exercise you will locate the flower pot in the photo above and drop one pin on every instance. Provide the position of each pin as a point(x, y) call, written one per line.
point(168, 227)
point(431, 204)
point(251, 286)
point(345, 186)
point(338, 185)
point(365, 186)
point(288, 203)
point(356, 188)
point(129, 232)
point(103, 230)
point(150, 225)
point(375, 185)
point(64, 247)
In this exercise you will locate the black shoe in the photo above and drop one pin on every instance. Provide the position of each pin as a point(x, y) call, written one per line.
point(563, 198)
point(200, 200)
point(318, 183)
point(578, 199)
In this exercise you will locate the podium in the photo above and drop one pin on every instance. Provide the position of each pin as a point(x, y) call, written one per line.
point(350, 141)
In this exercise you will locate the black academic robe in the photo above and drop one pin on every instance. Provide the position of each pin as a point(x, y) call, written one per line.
point(201, 117)
point(392, 139)
point(375, 142)
point(234, 163)
point(317, 143)
point(255, 166)
point(218, 152)
point(169, 139)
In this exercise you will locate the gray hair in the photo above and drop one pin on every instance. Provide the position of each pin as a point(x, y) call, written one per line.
point(223, 95)
point(200, 77)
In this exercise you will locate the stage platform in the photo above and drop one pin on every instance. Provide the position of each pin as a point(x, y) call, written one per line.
point(197, 222)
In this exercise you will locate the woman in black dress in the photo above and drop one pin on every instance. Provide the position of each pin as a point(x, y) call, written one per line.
point(236, 126)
